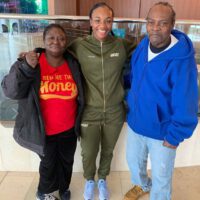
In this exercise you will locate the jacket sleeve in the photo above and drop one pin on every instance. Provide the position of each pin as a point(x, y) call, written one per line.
point(77, 75)
point(73, 47)
point(17, 82)
point(184, 102)
point(81, 103)
point(129, 47)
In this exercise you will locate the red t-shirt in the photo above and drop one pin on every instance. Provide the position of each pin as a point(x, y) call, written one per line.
point(58, 94)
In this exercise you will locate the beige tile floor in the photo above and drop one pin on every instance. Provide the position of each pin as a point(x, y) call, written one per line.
point(22, 185)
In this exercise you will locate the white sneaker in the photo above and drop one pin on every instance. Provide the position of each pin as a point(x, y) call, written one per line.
point(89, 190)
point(103, 190)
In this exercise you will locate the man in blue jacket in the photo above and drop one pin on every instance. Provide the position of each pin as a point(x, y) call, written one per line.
point(162, 103)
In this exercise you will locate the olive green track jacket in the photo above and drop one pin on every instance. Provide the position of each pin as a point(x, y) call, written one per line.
point(102, 65)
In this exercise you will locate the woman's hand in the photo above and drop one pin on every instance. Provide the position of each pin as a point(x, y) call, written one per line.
point(31, 58)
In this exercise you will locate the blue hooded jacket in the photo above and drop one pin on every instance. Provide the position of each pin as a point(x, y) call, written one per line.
point(163, 99)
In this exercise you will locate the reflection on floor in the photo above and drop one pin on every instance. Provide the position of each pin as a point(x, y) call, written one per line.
point(22, 185)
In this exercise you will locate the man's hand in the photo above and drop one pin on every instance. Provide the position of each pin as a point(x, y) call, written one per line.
point(167, 144)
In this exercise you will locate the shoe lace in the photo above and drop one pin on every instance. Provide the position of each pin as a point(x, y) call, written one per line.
point(136, 189)
point(103, 185)
point(90, 185)
point(49, 197)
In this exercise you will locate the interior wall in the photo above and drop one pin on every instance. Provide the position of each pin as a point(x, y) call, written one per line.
point(16, 158)
point(51, 7)
point(62, 7)
point(127, 8)
point(185, 9)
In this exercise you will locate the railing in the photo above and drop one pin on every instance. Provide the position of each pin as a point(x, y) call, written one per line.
point(24, 32)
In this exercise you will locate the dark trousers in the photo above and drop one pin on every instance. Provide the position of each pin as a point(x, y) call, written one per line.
point(57, 164)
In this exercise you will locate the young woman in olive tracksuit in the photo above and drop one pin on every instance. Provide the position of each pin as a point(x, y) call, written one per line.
point(102, 59)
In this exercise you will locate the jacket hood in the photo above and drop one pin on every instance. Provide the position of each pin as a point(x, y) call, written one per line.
point(183, 49)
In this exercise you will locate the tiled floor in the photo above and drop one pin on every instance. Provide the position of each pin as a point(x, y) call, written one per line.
point(22, 185)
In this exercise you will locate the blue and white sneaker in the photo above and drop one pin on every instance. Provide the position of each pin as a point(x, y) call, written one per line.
point(89, 190)
point(103, 190)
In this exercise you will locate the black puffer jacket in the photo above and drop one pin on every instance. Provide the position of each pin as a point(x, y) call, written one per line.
point(23, 83)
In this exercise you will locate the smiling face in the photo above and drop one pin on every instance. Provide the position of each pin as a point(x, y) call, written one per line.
point(101, 22)
point(55, 41)
point(159, 25)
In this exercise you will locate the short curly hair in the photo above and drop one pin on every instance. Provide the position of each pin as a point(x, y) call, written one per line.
point(164, 3)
